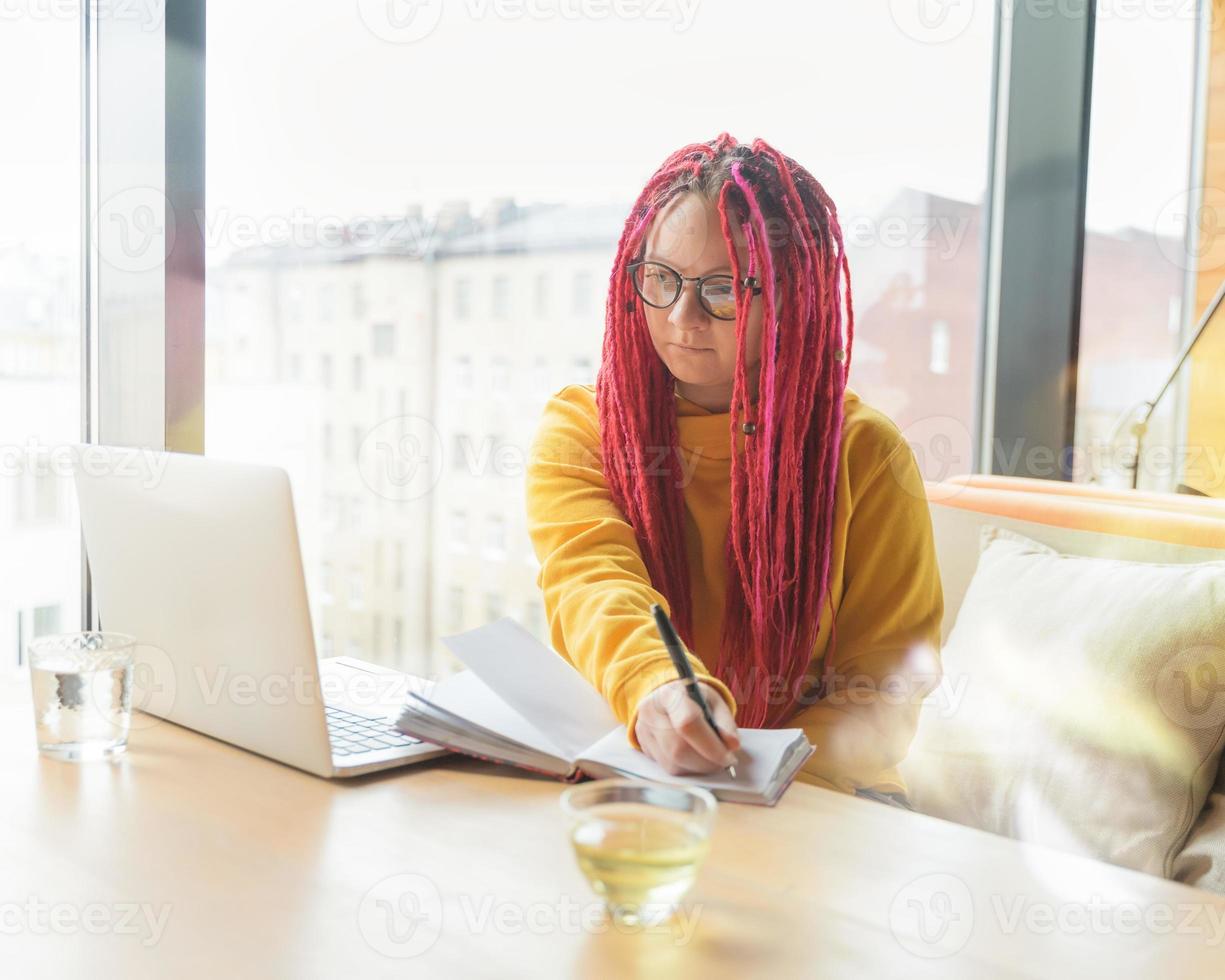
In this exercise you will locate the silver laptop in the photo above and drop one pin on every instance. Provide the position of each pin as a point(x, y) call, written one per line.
point(199, 560)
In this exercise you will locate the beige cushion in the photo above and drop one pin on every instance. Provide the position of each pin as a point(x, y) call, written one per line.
point(1201, 862)
point(1070, 713)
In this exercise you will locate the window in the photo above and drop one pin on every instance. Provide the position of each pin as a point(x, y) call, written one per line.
point(40, 324)
point(495, 536)
point(499, 376)
point(541, 386)
point(580, 298)
point(327, 303)
point(326, 584)
point(1135, 260)
point(383, 342)
point(541, 295)
point(493, 606)
point(459, 530)
point(463, 299)
point(357, 589)
point(46, 620)
point(529, 243)
point(533, 618)
point(460, 446)
point(501, 297)
point(455, 608)
point(941, 348)
point(584, 370)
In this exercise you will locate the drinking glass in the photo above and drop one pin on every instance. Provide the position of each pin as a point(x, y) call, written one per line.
point(639, 843)
point(82, 686)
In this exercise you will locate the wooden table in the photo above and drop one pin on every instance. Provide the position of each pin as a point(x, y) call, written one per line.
point(191, 858)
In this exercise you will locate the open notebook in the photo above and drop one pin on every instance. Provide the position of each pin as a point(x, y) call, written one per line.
point(522, 704)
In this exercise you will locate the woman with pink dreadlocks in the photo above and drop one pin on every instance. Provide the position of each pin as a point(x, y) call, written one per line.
point(721, 467)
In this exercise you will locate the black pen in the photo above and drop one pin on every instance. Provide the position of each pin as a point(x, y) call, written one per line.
point(673, 642)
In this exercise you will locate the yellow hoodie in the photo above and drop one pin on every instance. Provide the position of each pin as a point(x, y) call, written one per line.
point(884, 582)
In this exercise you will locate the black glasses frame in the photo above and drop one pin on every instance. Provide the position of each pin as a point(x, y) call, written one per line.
point(750, 283)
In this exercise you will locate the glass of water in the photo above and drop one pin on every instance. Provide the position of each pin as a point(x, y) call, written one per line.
point(82, 684)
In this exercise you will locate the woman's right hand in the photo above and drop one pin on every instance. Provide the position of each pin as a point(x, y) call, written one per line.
point(672, 731)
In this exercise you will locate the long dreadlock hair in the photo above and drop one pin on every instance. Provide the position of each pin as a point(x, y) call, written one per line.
point(782, 481)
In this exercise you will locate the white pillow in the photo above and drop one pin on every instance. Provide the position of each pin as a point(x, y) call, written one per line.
point(1082, 704)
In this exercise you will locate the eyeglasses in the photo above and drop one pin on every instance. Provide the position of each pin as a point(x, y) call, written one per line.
point(660, 286)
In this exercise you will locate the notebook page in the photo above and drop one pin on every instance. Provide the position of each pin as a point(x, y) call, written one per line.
point(761, 752)
point(466, 695)
point(537, 682)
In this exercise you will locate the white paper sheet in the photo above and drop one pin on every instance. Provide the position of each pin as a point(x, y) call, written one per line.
point(468, 696)
point(537, 683)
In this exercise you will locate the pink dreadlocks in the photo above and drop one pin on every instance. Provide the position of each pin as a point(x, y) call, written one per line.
point(782, 482)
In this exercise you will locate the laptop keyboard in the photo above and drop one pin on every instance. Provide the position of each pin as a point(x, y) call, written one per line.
point(352, 734)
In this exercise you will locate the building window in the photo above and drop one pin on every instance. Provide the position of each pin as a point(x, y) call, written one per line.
point(463, 299)
point(359, 300)
point(46, 497)
point(459, 530)
point(459, 452)
point(325, 439)
point(293, 304)
point(46, 620)
point(295, 367)
point(455, 608)
point(580, 299)
point(357, 589)
point(584, 370)
point(499, 376)
point(501, 297)
point(541, 295)
point(355, 441)
point(327, 303)
point(399, 570)
point(463, 373)
point(540, 377)
point(325, 370)
point(383, 340)
point(533, 617)
point(358, 372)
point(495, 536)
point(493, 606)
point(940, 347)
